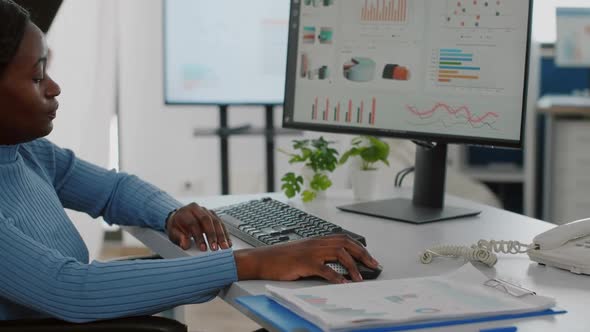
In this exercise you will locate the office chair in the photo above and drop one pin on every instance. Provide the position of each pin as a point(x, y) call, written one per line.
point(128, 324)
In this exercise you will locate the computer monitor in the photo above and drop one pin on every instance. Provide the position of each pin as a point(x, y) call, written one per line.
point(573, 37)
point(224, 52)
point(436, 72)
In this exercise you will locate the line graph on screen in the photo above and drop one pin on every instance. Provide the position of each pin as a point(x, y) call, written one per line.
point(449, 117)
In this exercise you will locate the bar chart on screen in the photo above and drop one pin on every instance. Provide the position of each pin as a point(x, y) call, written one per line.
point(467, 69)
point(385, 11)
point(381, 19)
point(361, 112)
point(456, 66)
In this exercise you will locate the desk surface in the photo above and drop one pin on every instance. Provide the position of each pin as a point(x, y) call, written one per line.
point(397, 246)
point(564, 105)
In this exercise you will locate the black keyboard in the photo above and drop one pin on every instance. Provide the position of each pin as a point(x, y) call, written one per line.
point(267, 221)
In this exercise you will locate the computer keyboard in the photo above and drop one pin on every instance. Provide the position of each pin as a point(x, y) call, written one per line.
point(267, 221)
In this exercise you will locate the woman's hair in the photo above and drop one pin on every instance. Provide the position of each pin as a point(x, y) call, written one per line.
point(13, 21)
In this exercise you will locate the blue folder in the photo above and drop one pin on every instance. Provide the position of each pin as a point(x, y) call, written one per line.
point(285, 320)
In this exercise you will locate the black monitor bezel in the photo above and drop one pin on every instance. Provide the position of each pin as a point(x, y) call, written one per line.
point(169, 102)
point(291, 78)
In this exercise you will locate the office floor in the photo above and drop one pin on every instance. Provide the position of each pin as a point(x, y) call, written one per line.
point(213, 316)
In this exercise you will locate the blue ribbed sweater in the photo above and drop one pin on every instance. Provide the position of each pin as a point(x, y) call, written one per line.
point(44, 268)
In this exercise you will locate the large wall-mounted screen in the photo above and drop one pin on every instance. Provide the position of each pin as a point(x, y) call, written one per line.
point(225, 51)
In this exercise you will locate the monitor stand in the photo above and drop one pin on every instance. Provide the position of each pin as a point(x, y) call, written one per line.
point(427, 204)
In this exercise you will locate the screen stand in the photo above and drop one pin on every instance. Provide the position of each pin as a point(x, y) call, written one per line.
point(427, 204)
point(269, 136)
point(224, 132)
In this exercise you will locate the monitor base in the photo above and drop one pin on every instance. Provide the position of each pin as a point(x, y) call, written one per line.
point(402, 209)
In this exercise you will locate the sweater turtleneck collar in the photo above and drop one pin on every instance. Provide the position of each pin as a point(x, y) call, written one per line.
point(8, 153)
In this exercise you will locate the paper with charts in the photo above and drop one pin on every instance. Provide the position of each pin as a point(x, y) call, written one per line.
point(465, 293)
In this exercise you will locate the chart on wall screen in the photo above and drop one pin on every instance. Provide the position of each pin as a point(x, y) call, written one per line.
point(481, 14)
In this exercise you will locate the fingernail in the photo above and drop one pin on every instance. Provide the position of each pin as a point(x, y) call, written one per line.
point(214, 246)
point(344, 281)
point(361, 277)
point(374, 261)
point(203, 247)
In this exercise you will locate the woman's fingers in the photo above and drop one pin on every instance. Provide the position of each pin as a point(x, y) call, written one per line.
point(329, 274)
point(194, 221)
point(348, 262)
point(359, 252)
point(197, 235)
point(225, 232)
point(179, 238)
point(222, 236)
point(206, 224)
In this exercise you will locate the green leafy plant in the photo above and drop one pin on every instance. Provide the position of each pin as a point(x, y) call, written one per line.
point(291, 184)
point(318, 156)
point(370, 149)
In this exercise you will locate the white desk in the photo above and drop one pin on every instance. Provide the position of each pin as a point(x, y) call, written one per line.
point(397, 246)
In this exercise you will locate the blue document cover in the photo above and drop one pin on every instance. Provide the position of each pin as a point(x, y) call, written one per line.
point(285, 320)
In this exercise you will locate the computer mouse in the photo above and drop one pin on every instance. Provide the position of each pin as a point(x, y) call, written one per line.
point(366, 272)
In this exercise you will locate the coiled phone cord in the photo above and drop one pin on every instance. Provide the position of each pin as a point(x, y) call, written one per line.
point(483, 252)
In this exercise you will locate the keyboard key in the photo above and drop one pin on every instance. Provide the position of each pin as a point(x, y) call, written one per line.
point(232, 221)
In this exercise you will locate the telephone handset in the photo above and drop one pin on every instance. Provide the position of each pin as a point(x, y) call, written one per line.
point(566, 247)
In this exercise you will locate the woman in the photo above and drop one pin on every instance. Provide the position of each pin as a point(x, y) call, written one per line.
point(44, 268)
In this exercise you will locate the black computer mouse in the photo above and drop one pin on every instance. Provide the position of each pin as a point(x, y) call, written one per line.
point(366, 272)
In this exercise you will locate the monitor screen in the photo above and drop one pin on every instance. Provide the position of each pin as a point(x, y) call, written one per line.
point(440, 71)
point(225, 51)
point(573, 37)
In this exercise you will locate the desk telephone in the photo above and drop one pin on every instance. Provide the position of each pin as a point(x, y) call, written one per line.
point(565, 247)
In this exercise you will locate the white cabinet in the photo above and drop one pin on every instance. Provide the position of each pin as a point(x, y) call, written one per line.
point(567, 167)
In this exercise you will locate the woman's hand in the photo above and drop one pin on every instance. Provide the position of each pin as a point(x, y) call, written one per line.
point(305, 258)
point(192, 221)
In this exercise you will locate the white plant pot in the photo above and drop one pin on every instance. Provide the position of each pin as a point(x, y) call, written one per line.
point(307, 174)
point(365, 184)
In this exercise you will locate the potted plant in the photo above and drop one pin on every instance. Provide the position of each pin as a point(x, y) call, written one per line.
point(364, 177)
point(318, 160)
